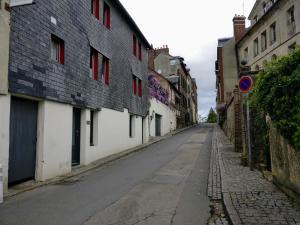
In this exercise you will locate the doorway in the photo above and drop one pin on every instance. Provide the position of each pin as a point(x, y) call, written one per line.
point(157, 125)
point(76, 137)
point(23, 137)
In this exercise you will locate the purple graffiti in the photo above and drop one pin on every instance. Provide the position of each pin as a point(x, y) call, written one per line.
point(156, 91)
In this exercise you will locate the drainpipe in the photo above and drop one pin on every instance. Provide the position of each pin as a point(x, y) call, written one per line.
point(1, 184)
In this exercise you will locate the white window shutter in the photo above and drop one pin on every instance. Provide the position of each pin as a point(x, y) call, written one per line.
point(20, 2)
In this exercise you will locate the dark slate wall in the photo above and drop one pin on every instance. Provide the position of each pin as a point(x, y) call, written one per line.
point(32, 72)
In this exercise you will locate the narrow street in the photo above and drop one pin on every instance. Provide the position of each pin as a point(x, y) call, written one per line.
point(166, 183)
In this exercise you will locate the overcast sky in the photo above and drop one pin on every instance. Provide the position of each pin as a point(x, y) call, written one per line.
point(190, 28)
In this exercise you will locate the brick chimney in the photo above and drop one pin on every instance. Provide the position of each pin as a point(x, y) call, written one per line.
point(239, 27)
point(153, 53)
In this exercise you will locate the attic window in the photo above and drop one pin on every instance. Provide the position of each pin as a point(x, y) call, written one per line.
point(264, 7)
point(172, 62)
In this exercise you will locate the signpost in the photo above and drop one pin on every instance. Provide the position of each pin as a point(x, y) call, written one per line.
point(1, 184)
point(245, 85)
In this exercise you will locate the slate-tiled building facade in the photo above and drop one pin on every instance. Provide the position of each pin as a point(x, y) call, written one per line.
point(34, 73)
point(77, 87)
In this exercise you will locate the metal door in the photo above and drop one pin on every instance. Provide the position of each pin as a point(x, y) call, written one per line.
point(22, 144)
point(157, 125)
point(76, 137)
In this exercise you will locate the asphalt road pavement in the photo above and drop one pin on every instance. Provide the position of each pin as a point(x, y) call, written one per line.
point(164, 184)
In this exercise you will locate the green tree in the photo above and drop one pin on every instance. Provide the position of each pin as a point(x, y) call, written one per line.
point(212, 116)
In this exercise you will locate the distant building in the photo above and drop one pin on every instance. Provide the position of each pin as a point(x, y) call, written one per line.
point(194, 101)
point(163, 109)
point(175, 70)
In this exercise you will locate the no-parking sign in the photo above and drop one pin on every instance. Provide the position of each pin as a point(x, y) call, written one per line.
point(245, 84)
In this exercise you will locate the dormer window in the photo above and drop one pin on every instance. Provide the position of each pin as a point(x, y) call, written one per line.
point(255, 18)
point(264, 5)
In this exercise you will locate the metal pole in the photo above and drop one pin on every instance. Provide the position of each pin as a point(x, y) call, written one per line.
point(1, 184)
point(249, 135)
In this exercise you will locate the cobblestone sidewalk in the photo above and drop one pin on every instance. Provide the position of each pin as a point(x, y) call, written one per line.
point(248, 197)
point(214, 190)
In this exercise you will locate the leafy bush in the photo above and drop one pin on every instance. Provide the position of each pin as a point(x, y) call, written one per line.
point(277, 92)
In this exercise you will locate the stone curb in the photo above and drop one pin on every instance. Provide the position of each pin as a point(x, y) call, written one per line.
point(228, 206)
point(94, 165)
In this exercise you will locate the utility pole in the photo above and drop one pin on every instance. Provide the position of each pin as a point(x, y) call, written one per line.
point(249, 133)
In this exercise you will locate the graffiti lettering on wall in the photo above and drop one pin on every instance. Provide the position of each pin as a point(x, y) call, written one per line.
point(156, 91)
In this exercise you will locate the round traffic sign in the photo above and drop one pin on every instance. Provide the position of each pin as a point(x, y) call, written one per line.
point(245, 84)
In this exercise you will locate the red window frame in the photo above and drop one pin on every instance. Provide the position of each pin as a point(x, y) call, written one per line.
point(134, 85)
point(105, 68)
point(94, 63)
point(140, 51)
point(95, 5)
point(134, 43)
point(106, 16)
point(60, 49)
point(140, 88)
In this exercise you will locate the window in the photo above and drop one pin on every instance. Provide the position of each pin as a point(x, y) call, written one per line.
point(264, 5)
point(255, 47)
point(274, 57)
point(106, 16)
point(291, 21)
point(134, 84)
point(140, 51)
point(134, 42)
point(263, 41)
point(140, 88)
point(94, 62)
point(255, 19)
point(173, 62)
point(95, 8)
point(273, 33)
point(291, 15)
point(57, 49)
point(92, 128)
point(131, 126)
point(246, 54)
point(292, 47)
point(105, 70)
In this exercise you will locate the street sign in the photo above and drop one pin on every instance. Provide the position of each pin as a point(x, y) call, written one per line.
point(245, 84)
point(1, 184)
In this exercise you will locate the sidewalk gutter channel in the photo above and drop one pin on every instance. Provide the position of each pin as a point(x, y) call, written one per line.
point(92, 166)
point(228, 206)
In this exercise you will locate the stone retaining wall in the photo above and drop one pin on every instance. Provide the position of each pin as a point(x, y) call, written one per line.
point(285, 164)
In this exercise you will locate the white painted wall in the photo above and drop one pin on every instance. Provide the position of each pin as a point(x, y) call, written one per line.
point(4, 47)
point(4, 136)
point(168, 120)
point(54, 137)
point(112, 136)
point(54, 146)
